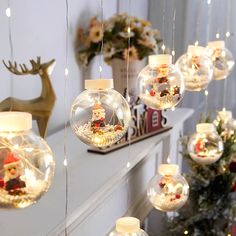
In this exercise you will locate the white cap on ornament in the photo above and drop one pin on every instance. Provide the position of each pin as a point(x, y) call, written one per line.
point(161, 59)
point(216, 44)
point(168, 169)
point(98, 84)
point(128, 225)
point(15, 121)
point(196, 50)
point(205, 128)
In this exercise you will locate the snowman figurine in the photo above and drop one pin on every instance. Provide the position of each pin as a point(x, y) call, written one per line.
point(12, 175)
point(98, 116)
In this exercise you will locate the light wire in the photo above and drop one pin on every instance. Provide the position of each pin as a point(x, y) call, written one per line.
point(65, 116)
point(227, 39)
point(11, 49)
point(102, 44)
point(173, 33)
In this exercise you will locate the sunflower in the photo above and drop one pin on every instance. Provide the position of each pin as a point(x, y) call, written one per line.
point(132, 52)
point(95, 34)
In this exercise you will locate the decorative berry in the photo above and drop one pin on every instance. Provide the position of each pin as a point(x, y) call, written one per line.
point(152, 92)
point(177, 196)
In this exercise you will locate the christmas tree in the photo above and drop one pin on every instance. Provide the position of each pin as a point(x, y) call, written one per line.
point(211, 208)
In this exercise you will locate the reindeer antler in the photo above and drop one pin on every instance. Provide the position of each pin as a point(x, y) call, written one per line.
point(12, 67)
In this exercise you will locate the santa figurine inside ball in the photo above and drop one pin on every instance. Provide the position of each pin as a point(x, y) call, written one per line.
point(222, 59)
point(206, 145)
point(196, 68)
point(100, 115)
point(161, 85)
point(26, 162)
point(168, 190)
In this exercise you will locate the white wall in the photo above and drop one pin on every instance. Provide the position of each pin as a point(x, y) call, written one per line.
point(38, 29)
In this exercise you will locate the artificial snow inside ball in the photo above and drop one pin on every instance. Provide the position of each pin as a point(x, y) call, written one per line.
point(206, 145)
point(128, 226)
point(161, 85)
point(26, 161)
point(100, 116)
point(196, 68)
point(168, 190)
point(222, 59)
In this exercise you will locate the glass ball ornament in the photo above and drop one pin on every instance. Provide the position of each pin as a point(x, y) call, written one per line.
point(196, 67)
point(100, 115)
point(161, 85)
point(128, 226)
point(168, 190)
point(26, 161)
point(222, 59)
point(205, 146)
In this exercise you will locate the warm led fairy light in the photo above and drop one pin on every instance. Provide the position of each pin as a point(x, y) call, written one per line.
point(208, 2)
point(128, 165)
point(173, 33)
point(8, 12)
point(227, 34)
point(66, 72)
point(196, 43)
point(206, 93)
point(163, 47)
point(217, 35)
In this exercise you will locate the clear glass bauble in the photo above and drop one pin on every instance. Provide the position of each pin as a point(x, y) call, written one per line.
point(161, 84)
point(196, 67)
point(128, 226)
point(222, 59)
point(205, 146)
point(26, 162)
point(168, 190)
point(100, 115)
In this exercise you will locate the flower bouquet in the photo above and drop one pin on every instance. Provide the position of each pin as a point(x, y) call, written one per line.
point(114, 31)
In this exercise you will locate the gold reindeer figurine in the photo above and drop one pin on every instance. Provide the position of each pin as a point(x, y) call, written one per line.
point(40, 107)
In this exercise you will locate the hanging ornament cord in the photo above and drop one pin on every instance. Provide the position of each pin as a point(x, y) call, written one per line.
point(227, 40)
point(207, 40)
point(8, 14)
point(217, 20)
point(102, 43)
point(163, 47)
point(196, 43)
point(127, 74)
point(65, 162)
point(173, 33)
point(128, 96)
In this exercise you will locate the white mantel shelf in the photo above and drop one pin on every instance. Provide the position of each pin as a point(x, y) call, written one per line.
point(93, 178)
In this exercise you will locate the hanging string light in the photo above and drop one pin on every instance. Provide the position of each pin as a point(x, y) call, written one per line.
point(168, 190)
point(195, 64)
point(100, 115)
point(196, 68)
point(173, 34)
point(205, 146)
point(161, 83)
point(27, 164)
